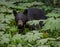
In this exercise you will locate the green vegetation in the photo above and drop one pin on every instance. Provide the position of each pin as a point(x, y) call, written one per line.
point(48, 36)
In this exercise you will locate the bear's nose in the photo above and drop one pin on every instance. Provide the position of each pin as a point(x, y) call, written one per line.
point(20, 22)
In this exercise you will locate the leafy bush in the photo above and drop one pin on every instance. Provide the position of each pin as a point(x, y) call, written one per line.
point(48, 36)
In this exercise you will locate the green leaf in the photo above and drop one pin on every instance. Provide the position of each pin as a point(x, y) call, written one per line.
point(52, 24)
point(42, 41)
point(19, 45)
point(44, 46)
point(5, 39)
point(53, 14)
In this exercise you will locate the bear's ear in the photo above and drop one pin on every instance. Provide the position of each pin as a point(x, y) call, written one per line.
point(14, 12)
point(25, 12)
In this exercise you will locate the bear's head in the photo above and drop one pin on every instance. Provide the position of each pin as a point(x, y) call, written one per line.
point(20, 19)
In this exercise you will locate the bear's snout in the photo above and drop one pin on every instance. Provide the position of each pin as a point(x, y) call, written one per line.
point(20, 22)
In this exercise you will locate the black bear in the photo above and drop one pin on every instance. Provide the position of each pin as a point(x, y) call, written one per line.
point(29, 14)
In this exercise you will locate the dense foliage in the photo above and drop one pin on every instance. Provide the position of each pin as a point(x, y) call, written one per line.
point(47, 36)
